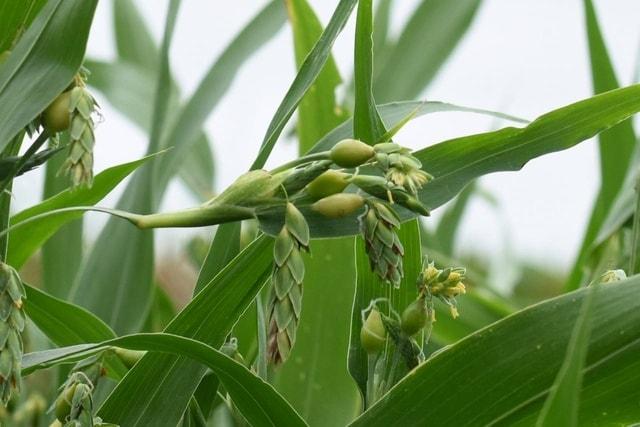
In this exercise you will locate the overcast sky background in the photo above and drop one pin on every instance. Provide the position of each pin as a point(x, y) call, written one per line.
point(522, 57)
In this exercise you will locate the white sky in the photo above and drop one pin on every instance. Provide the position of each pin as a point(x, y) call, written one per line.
point(522, 57)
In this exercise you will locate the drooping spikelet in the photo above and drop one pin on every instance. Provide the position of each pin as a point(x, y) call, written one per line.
point(12, 321)
point(378, 225)
point(401, 167)
point(79, 163)
point(285, 299)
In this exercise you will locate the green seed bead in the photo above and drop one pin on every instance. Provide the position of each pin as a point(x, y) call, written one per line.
point(373, 334)
point(414, 317)
point(350, 153)
point(338, 205)
point(330, 182)
point(56, 117)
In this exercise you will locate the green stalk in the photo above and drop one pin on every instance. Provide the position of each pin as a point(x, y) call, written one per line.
point(371, 383)
point(5, 197)
point(33, 149)
point(323, 155)
point(633, 262)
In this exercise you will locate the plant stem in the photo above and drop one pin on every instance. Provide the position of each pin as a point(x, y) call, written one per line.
point(635, 242)
point(5, 197)
point(323, 155)
point(33, 149)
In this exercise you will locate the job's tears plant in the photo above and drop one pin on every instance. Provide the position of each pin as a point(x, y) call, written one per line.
point(267, 328)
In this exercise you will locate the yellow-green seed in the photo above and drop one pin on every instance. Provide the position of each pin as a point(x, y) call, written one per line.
point(350, 153)
point(414, 317)
point(373, 334)
point(330, 182)
point(63, 403)
point(56, 117)
point(338, 205)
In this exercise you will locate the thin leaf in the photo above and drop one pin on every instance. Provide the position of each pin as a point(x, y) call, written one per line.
point(458, 386)
point(309, 71)
point(258, 402)
point(25, 241)
point(617, 146)
point(367, 125)
point(43, 62)
point(561, 406)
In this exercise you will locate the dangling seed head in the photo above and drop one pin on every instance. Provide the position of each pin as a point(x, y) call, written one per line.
point(373, 334)
point(12, 321)
point(79, 163)
point(350, 153)
point(74, 404)
point(63, 402)
point(414, 317)
point(339, 205)
point(378, 227)
point(401, 167)
point(56, 117)
point(285, 299)
point(444, 284)
point(330, 182)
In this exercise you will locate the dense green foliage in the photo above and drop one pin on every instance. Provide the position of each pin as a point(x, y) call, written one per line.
point(271, 335)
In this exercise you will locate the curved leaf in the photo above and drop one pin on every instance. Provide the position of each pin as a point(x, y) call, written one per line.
point(459, 386)
point(456, 162)
point(258, 402)
point(26, 241)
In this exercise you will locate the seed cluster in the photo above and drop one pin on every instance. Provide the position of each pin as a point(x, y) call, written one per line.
point(285, 299)
point(12, 321)
point(382, 244)
point(79, 162)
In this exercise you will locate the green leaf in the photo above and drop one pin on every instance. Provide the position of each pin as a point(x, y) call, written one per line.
point(123, 300)
point(561, 406)
point(62, 252)
point(141, 397)
point(308, 73)
point(25, 241)
point(62, 322)
point(369, 287)
point(458, 386)
point(456, 162)
point(367, 125)
point(617, 146)
point(43, 62)
point(16, 16)
point(258, 402)
point(134, 42)
point(428, 39)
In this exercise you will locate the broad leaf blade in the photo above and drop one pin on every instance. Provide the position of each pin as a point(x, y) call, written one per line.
point(258, 402)
point(458, 386)
point(43, 62)
point(561, 407)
